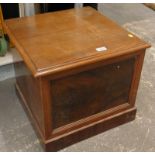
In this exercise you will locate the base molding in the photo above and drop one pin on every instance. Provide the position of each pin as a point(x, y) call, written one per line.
point(55, 144)
point(104, 125)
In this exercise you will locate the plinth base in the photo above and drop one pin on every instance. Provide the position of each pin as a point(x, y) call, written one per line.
point(80, 134)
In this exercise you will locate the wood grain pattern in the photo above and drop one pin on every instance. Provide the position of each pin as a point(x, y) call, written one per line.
point(67, 39)
point(87, 93)
point(70, 90)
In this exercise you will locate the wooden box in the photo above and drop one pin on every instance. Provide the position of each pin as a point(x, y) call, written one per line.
point(79, 75)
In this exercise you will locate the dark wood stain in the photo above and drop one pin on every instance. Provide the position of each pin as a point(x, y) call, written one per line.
point(70, 90)
point(64, 141)
point(30, 88)
point(90, 92)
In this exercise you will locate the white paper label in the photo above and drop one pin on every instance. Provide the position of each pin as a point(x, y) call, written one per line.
point(101, 49)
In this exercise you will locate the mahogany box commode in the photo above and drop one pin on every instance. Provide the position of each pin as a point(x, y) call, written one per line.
point(79, 75)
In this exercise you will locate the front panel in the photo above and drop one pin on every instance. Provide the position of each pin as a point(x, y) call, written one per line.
point(87, 93)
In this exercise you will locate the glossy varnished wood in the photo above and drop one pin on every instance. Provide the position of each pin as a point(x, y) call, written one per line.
point(70, 90)
point(66, 39)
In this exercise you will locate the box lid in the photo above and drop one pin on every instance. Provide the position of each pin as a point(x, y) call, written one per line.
point(53, 42)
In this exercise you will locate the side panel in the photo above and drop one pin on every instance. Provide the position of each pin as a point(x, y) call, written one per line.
point(30, 91)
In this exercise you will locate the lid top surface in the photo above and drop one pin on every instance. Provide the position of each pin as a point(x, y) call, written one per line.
point(56, 39)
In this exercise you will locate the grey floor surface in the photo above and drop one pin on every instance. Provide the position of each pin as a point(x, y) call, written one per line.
point(16, 133)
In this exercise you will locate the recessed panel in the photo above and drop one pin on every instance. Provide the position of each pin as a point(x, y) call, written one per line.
point(87, 93)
